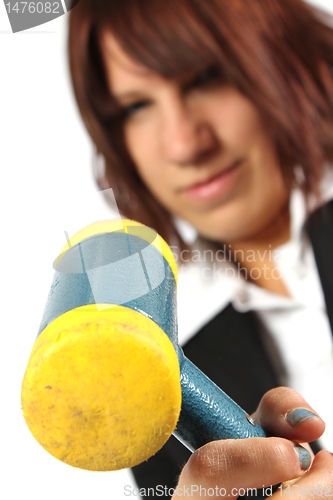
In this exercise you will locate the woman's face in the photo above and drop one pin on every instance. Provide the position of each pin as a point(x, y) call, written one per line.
point(201, 148)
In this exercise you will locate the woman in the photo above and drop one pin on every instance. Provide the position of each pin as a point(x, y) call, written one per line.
point(215, 120)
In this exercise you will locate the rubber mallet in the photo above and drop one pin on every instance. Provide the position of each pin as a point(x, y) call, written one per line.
point(107, 384)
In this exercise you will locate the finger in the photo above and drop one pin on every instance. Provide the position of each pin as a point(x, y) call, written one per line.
point(316, 483)
point(253, 463)
point(283, 412)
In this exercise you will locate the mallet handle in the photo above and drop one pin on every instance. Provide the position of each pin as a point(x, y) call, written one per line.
point(224, 420)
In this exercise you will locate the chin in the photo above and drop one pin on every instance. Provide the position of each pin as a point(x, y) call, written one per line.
point(229, 224)
point(224, 233)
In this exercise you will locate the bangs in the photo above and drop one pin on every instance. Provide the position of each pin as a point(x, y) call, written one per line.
point(169, 38)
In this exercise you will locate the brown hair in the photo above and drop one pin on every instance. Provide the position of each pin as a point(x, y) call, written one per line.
point(278, 53)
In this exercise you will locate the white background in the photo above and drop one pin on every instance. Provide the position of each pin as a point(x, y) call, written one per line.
point(46, 189)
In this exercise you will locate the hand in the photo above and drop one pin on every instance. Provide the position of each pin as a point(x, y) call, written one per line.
point(226, 468)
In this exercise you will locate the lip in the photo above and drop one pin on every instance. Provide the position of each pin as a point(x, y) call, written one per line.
point(215, 185)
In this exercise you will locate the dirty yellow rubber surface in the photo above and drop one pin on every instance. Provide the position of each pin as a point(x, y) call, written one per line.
point(102, 388)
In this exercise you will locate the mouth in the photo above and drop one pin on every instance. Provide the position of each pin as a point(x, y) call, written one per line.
point(214, 186)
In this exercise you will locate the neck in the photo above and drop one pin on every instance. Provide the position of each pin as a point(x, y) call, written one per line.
point(255, 254)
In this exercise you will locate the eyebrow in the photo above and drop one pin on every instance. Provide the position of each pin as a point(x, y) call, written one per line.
point(128, 95)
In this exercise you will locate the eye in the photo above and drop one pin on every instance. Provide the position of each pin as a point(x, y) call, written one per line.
point(133, 108)
point(209, 75)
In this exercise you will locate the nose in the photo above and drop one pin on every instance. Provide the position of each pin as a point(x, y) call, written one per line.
point(187, 138)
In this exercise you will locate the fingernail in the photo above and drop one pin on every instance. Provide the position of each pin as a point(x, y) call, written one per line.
point(304, 457)
point(298, 416)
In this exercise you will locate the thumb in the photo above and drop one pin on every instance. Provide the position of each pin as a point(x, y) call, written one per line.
point(283, 412)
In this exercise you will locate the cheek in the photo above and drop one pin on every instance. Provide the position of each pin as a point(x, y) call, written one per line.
point(236, 121)
point(266, 198)
point(143, 148)
point(266, 193)
point(134, 141)
point(142, 145)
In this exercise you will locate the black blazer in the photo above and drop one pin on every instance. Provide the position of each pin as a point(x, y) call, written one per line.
point(245, 373)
